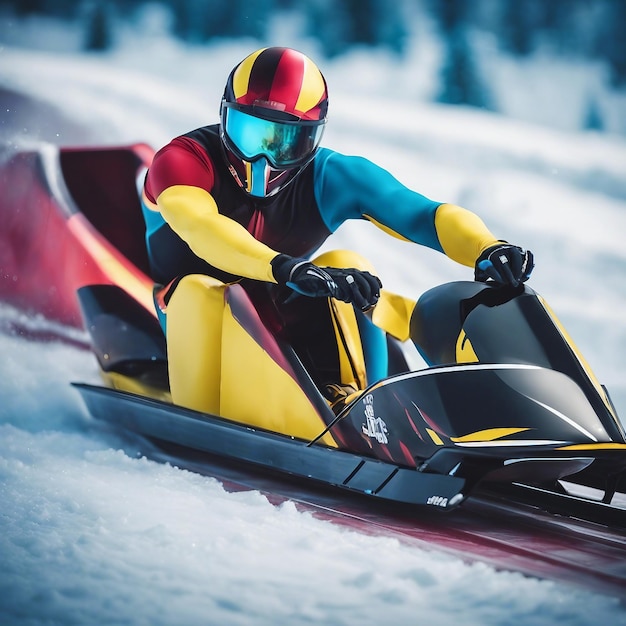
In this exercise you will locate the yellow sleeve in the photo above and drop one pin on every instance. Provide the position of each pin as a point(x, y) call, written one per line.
point(193, 215)
point(462, 234)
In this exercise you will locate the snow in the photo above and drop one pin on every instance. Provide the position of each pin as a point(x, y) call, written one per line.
point(91, 532)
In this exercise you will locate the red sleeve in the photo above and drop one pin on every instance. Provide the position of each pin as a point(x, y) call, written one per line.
point(181, 162)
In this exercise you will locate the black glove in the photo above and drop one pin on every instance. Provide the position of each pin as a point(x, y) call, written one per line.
point(505, 264)
point(349, 285)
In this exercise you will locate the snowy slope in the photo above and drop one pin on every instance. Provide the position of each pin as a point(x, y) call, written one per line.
point(92, 534)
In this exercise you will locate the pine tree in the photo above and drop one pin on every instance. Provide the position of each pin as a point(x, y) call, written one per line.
point(593, 116)
point(460, 80)
point(340, 24)
point(99, 35)
point(613, 43)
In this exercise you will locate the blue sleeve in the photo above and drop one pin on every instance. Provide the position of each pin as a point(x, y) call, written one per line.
point(350, 187)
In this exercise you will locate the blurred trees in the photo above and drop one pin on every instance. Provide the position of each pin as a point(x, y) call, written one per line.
point(98, 27)
point(460, 80)
point(611, 43)
point(588, 29)
point(341, 24)
point(198, 21)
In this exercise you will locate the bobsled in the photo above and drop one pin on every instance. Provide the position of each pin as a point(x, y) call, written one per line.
point(505, 397)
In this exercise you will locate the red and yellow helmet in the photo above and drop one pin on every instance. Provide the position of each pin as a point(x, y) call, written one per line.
point(272, 118)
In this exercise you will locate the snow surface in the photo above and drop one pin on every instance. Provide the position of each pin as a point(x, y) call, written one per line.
point(93, 533)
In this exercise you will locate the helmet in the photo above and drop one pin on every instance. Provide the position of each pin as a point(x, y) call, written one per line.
point(272, 118)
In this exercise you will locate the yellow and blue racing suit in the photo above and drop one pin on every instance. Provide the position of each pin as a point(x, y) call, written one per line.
point(200, 221)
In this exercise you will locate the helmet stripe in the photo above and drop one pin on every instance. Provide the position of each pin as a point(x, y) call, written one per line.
point(241, 78)
point(290, 66)
point(281, 79)
point(313, 88)
point(262, 75)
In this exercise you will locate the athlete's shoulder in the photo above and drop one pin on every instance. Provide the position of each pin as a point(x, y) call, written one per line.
point(208, 137)
point(186, 160)
point(353, 187)
point(342, 186)
point(328, 155)
point(331, 162)
point(200, 141)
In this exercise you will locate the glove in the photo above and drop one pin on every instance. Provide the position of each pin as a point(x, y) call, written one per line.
point(504, 264)
point(357, 287)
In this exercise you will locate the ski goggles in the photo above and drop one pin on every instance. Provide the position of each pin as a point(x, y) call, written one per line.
point(283, 144)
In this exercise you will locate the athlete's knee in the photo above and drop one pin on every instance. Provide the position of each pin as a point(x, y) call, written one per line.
point(199, 283)
point(187, 296)
point(194, 290)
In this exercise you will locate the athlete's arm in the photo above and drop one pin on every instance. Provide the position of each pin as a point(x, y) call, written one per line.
point(462, 234)
point(192, 214)
point(354, 188)
point(179, 186)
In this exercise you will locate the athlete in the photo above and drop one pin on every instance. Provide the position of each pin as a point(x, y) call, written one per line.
point(252, 198)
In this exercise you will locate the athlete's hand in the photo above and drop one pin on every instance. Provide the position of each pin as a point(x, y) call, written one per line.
point(357, 287)
point(505, 264)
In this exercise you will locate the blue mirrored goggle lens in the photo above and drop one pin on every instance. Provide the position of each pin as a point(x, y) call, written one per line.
point(282, 144)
